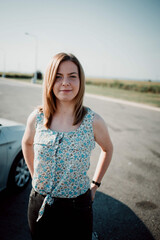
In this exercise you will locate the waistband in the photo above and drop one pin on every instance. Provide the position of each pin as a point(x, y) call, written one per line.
point(48, 199)
point(76, 199)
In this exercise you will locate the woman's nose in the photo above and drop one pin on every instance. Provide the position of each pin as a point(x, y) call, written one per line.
point(65, 81)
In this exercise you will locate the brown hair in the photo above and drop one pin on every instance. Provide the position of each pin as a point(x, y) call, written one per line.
point(49, 99)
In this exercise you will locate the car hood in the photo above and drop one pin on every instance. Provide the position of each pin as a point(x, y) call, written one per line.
point(8, 123)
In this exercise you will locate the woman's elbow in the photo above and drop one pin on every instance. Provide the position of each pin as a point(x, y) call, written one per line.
point(26, 142)
point(109, 151)
point(23, 142)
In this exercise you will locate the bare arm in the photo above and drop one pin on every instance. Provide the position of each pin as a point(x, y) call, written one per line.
point(103, 139)
point(27, 142)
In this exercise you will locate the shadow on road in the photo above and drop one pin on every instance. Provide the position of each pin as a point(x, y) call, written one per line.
point(13, 215)
point(112, 219)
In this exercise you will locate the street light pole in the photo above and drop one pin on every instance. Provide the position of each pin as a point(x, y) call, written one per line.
point(4, 63)
point(34, 79)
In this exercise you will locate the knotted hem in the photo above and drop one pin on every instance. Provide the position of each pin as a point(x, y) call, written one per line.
point(47, 200)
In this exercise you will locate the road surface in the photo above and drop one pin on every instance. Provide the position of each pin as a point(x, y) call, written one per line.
point(127, 205)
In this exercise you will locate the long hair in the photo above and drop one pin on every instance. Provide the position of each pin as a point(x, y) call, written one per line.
point(49, 99)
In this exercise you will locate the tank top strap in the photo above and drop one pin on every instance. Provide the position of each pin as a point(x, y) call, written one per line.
point(87, 127)
point(39, 118)
point(89, 117)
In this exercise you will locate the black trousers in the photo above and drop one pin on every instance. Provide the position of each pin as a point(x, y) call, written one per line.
point(66, 219)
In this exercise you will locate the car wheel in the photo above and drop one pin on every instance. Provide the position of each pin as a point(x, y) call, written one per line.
point(19, 175)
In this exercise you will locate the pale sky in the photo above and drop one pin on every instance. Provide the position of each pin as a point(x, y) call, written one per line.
point(111, 38)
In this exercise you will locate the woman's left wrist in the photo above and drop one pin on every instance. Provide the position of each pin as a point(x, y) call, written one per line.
point(98, 184)
point(94, 186)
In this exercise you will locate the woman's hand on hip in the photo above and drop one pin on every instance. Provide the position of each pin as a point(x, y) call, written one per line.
point(93, 191)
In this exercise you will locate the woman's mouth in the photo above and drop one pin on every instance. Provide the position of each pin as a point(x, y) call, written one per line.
point(65, 90)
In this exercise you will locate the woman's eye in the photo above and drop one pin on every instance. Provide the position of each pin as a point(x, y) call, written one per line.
point(58, 77)
point(73, 76)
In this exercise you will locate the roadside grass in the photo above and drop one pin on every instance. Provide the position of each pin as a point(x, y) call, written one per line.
point(148, 98)
point(151, 99)
point(138, 86)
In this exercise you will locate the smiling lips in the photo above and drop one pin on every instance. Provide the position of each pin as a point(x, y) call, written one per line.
point(66, 90)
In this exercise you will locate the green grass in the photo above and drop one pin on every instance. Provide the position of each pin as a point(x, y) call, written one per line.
point(151, 99)
point(148, 98)
point(138, 86)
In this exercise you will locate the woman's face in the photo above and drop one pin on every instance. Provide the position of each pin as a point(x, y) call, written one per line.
point(67, 82)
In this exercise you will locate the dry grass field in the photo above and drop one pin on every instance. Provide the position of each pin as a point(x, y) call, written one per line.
point(135, 91)
point(146, 92)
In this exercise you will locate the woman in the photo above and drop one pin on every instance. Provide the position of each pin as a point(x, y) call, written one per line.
point(57, 145)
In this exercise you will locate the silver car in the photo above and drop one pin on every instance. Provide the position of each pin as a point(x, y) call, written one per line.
point(13, 169)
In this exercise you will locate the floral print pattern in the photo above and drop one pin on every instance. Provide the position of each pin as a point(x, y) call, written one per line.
point(62, 159)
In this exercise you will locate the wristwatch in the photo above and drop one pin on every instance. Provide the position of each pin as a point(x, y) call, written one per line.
point(96, 183)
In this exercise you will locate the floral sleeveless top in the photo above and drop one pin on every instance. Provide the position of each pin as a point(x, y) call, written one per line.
point(61, 160)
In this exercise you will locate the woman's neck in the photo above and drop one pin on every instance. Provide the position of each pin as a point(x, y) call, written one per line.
point(63, 118)
point(65, 108)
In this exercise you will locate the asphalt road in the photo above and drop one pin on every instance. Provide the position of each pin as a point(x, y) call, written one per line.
point(127, 205)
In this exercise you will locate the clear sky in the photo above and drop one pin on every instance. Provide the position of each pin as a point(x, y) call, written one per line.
point(111, 38)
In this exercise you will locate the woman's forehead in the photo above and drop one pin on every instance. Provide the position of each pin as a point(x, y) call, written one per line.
point(67, 66)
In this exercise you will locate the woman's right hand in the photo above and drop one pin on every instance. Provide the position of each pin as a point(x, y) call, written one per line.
point(93, 191)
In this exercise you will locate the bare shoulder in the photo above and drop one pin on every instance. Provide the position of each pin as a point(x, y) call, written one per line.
point(31, 120)
point(101, 133)
point(98, 121)
point(30, 130)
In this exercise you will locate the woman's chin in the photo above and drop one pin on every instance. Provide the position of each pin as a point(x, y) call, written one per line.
point(66, 99)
